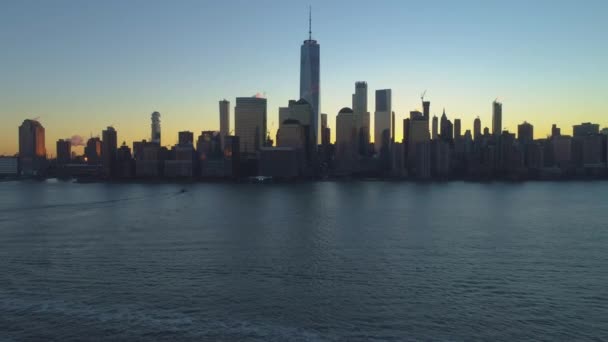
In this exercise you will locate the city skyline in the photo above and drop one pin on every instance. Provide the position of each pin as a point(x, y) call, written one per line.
point(565, 89)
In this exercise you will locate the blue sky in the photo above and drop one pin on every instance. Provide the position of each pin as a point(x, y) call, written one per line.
point(83, 65)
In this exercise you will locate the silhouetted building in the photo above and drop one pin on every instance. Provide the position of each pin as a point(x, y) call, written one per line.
point(310, 86)
point(362, 117)
point(325, 131)
point(555, 131)
point(155, 135)
point(64, 151)
point(185, 138)
point(278, 162)
point(383, 119)
point(32, 150)
point(210, 154)
point(476, 128)
point(124, 162)
point(108, 153)
point(525, 133)
point(224, 120)
point(92, 151)
point(418, 135)
point(232, 156)
point(435, 130)
point(584, 129)
point(250, 124)
point(457, 129)
point(496, 118)
point(346, 140)
point(447, 130)
point(149, 164)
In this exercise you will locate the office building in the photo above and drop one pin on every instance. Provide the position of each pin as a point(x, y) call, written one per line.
point(496, 118)
point(92, 151)
point(64, 151)
point(525, 133)
point(250, 124)
point(457, 132)
point(155, 135)
point(108, 151)
point(584, 129)
point(32, 148)
point(310, 86)
point(476, 128)
point(185, 138)
point(224, 119)
point(435, 127)
point(383, 119)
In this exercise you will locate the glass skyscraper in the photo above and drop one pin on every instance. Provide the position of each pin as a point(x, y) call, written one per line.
point(310, 78)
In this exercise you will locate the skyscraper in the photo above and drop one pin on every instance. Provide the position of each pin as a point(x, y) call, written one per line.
point(360, 97)
point(250, 123)
point(185, 138)
point(457, 129)
point(477, 128)
point(32, 150)
point(346, 143)
point(92, 151)
point(382, 118)
point(64, 151)
point(108, 151)
point(525, 132)
point(435, 127)
point(310, 87)
point(155, 136)
point(361, 116)
point(496, 118)
point(224, 119)
point(426, 109)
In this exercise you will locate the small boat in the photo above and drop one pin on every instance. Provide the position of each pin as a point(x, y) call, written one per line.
point(182, 191)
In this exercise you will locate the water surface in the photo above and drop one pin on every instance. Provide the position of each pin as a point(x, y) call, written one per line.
point(307, 262)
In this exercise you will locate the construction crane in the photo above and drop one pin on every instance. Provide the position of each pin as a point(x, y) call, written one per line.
point(422, 96)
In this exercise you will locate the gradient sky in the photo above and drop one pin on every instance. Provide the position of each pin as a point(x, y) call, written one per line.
point(83, 65)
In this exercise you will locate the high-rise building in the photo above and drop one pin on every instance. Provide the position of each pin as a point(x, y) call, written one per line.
point(426, 109)
point(298, 123)
point(32, 150)
point(250, 124)
point(155, 135)
point(224, 119)
point(362, 116)
point(496, 118)
point(310, 86)
point(435, 127)
point(446, 129)
point(457, 132)
point(92, 151)
point(283, 114)
point(477, 128)
point(346, 138)
point(525, 132)
point(382, 118)
point(586, 128)
point(418, 136)
point(360, 98)
point(108, 151)
point(64, 151)
point(325, 132)
point(185, 138)
point(555, 131)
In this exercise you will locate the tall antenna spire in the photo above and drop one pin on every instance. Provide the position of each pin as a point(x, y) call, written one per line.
point(309, 22)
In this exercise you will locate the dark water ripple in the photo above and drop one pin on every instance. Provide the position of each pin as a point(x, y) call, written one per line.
point(308, 262)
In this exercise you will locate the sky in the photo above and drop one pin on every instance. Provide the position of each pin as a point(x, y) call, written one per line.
point(80, 66)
